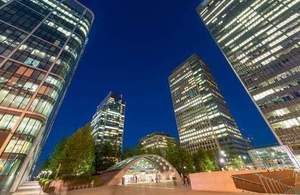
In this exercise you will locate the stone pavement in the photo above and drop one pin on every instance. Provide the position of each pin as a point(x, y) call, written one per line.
point(145, 190)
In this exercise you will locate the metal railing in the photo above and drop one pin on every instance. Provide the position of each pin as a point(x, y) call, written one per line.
point(271, 185)
point(262, 184)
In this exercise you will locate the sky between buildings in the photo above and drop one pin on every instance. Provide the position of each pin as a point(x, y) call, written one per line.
point(133, 47)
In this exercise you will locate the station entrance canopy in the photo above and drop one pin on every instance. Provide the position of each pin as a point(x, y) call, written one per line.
point(142, 169)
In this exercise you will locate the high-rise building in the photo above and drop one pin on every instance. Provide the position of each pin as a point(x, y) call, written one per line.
point(156, 140)
point(202, 117)
point(261, 41)
point(40, 45)
point(108, 121)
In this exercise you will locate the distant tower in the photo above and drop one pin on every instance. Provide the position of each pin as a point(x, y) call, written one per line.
point(261, 41)
point(203, 119)
point(41, 42)
point(108, 121)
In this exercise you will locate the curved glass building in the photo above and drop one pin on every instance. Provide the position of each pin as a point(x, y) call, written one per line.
point(142, 169)
point(41, 42)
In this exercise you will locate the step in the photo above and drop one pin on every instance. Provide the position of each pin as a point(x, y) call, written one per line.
point(29, 193)
point(29, 188)
point(30, 182)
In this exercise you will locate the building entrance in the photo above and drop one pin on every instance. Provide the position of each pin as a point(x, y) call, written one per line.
point(146, 171)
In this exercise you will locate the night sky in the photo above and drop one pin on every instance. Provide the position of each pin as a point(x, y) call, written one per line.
point(133, 47)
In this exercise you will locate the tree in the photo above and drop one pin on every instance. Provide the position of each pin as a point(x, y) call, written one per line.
point(204, 161)
point(237, 162)
point(74, 156)
point(78, 154)
point(180, 159)
point(53, 162)
point(234, 159)
point(132, 152)
point(106, 156)
point(57, 155)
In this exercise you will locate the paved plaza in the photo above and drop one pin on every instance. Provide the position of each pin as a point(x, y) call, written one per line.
point(145, 190)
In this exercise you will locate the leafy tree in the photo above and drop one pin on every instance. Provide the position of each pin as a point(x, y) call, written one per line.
point(74, 156)
point(132, 152)
point(106, 156)
point(57, 155)
point(204, 161)
point(53, 162)
point(234, 159)
point(46, 164)
point(237, 162)
point(180, 159)
point(78, 154)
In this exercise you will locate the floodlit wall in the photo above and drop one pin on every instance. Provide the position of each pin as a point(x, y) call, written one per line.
point(219, 181)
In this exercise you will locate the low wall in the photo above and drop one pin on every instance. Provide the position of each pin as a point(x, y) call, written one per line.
point(106, 177)
point(217, 181)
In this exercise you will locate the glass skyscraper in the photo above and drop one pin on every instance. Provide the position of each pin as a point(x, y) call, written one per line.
point(202, 117)
point(108, 121)
point(261, 41)
point(41, 42)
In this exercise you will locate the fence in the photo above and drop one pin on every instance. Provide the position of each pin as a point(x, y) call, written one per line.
point(265, 184)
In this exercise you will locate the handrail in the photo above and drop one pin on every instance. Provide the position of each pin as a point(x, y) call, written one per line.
point(280, 187)
point(267, 184)
point(243, 179)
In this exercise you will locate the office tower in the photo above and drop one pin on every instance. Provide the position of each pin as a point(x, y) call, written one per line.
point(261, 41)
point(108, 121)
point(156, 140)
point(40, 45)
point(202, 117)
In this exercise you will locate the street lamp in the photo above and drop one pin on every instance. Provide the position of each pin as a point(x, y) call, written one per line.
point(222, 160)
point(223, 153)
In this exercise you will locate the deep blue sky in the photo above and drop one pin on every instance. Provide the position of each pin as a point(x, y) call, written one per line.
point(133, 47)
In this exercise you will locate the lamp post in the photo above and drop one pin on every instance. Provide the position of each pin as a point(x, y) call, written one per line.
point(222, 159)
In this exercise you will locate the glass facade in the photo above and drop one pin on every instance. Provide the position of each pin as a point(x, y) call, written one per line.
point(108, 121)
point(142, 169)
point(40, 44)
point(202, 117)
point(156, 140)
point(275, 157)
point(261, 41)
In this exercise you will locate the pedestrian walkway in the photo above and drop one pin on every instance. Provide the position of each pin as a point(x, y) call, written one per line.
point(144, 190)
point(29, 188)
point(168, 185)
